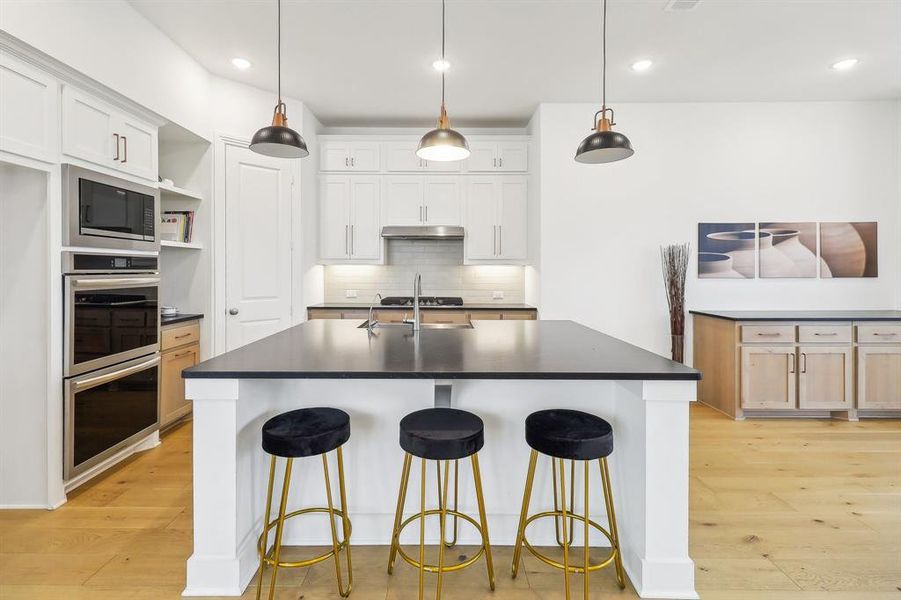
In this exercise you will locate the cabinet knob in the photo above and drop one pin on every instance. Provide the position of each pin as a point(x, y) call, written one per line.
point(233, 311)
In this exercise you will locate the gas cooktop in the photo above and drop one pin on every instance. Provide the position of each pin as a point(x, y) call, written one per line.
point(423, 301)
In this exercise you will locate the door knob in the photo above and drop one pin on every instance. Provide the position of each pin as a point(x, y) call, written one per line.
point(233, 311)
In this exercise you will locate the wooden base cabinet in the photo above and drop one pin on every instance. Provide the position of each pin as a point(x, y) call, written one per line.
point(768, 377)
point(825, 377)
point(879, 377)
point(180, 350)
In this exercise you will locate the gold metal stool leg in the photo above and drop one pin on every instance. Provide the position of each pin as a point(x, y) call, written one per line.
point(453, 541)
point(443, 516)
point(611, 516)
point(266, 525)
point(587, 529)
point(422, 529)
point(477, 475)
point(398, 515)
point(331, 518)
point(572, 495)
point(565, 546)
point(523, 514)
point(280, 528)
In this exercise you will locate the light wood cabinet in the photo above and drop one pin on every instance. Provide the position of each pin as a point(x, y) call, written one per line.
point(431, 315)
point(180, 345)
point(445, 316)
point(879, 377)
point(28, 111)
point(768, 377)
point(825, 377)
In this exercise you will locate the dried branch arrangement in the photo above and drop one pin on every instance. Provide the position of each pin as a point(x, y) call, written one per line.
point(674, 260)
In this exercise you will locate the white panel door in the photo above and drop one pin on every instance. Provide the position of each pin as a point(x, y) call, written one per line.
point(365, 224)
point(481, 218)
point(441, 200)
point(513, 156)
point(513, 218)
point(258, 246)
point(401, 157)
point(334, 156)
point(403, 200)
point(89, 128)
point(365, 156)
point(139, 148)
point(28, 111)
point(483, 157)
point(334, 213)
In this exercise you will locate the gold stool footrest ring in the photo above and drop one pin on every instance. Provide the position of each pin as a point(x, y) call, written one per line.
point(434, 568)
point(572, 568)
point(308, 562)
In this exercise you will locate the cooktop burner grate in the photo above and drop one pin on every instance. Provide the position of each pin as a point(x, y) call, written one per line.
point(423, 301)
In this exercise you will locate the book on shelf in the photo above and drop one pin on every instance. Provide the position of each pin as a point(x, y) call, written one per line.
point(177, 225)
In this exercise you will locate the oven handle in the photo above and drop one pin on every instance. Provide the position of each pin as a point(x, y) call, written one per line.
point(84, 384)
point(114, 282)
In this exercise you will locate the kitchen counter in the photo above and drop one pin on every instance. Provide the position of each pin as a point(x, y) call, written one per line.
point(502, 371)
point(180, 318)
point(464, 306)
point(802, 315)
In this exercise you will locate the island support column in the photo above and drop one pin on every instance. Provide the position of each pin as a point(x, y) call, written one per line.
point(651, 448)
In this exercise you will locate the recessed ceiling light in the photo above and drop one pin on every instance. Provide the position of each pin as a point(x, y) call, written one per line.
point(441, 65)
point(241, 63)
point(642, 65)
point(844, 65)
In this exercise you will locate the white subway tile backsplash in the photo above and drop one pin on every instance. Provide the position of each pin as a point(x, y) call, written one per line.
point(442, 269)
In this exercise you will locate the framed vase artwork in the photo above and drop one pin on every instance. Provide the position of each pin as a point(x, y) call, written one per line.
point(788, 250)
point(727, 250)
point(849, 249)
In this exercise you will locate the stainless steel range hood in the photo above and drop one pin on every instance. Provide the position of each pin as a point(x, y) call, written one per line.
point(422, 232)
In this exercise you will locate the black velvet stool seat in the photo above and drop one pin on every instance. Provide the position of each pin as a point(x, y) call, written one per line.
point(575, 436)
point(303, 433)
point(442, 435)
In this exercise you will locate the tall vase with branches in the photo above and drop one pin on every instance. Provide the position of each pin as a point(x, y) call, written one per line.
point(674, 260)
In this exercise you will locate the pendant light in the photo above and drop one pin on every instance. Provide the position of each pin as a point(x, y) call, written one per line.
point(278, 139)
point(604, 145)
point(443, 144)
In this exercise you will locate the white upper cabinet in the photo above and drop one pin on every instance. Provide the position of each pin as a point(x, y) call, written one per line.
point(513, 219)
point(403, 197)
point(442, 202)
point(98, 133)
point(401, 157)
point(28, 111)
point(433, 200)
point(510, 157)
point(349, 156)
point(350, 223)
point(496, 219)
point(481, 218)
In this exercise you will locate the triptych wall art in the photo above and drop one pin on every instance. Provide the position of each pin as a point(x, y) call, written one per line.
point(775, 249)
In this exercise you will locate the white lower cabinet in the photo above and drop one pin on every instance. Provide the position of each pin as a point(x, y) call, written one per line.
point(350, 223)
point(879, 377)
point(28, 111)
point(496, 218)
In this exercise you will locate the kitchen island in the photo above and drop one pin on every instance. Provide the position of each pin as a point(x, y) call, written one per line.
point(500, 370)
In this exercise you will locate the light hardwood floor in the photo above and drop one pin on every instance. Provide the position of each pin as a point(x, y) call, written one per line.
point(780, 510)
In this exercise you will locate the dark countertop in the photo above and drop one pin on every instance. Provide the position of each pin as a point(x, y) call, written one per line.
point(180, 318)
point(465, 306)
point(337, 348)
point(802, 315)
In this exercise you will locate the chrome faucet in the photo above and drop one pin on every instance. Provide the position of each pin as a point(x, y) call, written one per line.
point(370, 323)
point(417, 290)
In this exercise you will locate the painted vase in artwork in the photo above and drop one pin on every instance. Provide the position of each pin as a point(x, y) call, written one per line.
point(788, 242)
point(712, 265)
point(843, 250)
point(744, 252)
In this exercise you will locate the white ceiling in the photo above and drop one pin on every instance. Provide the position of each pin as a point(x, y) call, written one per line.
point(368, 62)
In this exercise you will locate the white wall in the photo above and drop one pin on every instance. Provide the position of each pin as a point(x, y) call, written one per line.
point(311, 274)
point(602, 225)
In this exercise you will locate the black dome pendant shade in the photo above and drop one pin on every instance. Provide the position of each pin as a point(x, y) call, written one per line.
point(604, 145)
point(278, 139)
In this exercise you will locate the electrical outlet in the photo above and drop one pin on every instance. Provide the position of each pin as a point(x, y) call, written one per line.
point(498, 295)
point(350, 293)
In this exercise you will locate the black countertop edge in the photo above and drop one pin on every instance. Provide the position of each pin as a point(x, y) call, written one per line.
point(802, 315)
point(465, 306)
point(493, 375)
point(180, 318)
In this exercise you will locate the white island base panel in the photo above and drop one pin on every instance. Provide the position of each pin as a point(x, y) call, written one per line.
point(649, 469)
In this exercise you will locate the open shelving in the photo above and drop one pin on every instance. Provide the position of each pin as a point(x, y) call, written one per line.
point(174, 244)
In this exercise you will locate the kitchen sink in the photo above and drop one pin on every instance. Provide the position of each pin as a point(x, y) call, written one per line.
point(378, 325)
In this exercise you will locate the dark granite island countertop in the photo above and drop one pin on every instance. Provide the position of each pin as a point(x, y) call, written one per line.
point(802, 315)
point(329, 348)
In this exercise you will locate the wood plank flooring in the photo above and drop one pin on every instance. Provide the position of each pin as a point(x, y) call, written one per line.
point(780, 510)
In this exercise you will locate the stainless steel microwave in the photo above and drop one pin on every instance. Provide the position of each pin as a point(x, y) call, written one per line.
point(101, 211)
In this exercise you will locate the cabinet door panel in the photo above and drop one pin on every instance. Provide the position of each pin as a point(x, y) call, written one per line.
point(825, 377)
point(768, 377)
point(401, 156)
point(138, 143)
point(445, 316)
point(28, 111)
point(483, 157)
point(442, 200)
point(879, 377)
point(366, 232)
point(173, 404)
point(513, 156)
point(334, 156)
point(403, 200)
point(513, 207)
point(442, 166)
point(88, 128)
point(481, 218)
point(365, 156)
point(334, 212)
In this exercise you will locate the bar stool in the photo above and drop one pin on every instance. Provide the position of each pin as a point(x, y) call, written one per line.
point(576, 436)
point(297, 434)
point(440, 434)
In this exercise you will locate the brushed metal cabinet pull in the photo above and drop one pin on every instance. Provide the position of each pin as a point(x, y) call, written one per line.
point(500, 162)
point(352, 163)
point(825, 334)
point(346, 162)
point(346, 243)
point(764, 334)
point(803, 362)
point(426, 213)
point(884, 334)
point(184, 335)
point(124, 149)
point(494, 162)
point(351, 240)
point(116, 135)
point(794, 363)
